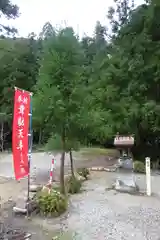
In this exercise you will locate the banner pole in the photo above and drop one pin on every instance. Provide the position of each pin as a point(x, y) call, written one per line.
point(29, 152)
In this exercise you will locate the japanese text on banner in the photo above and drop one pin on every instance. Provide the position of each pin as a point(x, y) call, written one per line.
point(20, 133)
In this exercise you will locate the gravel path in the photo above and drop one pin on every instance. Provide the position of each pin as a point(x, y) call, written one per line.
point(96, 213)
point(100, 214)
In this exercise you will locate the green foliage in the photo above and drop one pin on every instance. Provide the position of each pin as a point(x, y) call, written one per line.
point(55, 144)
point(73, 185)
point(52, 204)
point(139, 167)
point(8, 10)
point(19, 68)
point(59, 86)
point(84, 172)
point(88, 90)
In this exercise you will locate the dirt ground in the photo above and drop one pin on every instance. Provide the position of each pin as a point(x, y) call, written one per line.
point(21, 223)
point(11, 189)
point(113, 215)
point(101, 161)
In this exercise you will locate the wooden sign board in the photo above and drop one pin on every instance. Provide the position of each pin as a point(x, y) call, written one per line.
point(124, 141)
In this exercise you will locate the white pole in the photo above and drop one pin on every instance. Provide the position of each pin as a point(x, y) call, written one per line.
point(148, 176)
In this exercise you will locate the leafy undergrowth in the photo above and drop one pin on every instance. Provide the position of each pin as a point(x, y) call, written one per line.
point(139, 167)
point(73, 185)
point(90, 152)
point(84, 172)
point(51, 204)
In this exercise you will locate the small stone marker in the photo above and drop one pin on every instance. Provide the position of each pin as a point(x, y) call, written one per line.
point(20, 206)
point(148, 176)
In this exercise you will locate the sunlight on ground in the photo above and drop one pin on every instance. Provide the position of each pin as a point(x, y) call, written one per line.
point(88, 151)
point(95, 151)
point(84, 153)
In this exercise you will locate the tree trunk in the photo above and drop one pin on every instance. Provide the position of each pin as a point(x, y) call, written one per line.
point(40, 137)
point(71, 161)
point(62, 183)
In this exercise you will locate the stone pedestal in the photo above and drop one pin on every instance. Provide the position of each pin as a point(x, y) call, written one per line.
point(125, 181)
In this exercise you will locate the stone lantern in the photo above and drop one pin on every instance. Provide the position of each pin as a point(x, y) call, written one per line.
point(125, 181)
point(124, 145)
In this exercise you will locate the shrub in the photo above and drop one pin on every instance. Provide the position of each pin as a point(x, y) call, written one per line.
point(139, 167)
point(73, 185)
point(51, 204)
point(84, 172)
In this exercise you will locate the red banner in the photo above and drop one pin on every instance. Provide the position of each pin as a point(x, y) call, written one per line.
point(20, 132)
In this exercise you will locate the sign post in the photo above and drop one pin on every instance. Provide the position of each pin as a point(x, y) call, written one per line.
point(51, 175)
point(148, 176)
point(30, 148)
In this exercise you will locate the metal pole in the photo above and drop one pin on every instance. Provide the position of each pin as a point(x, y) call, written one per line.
point(29, 152)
